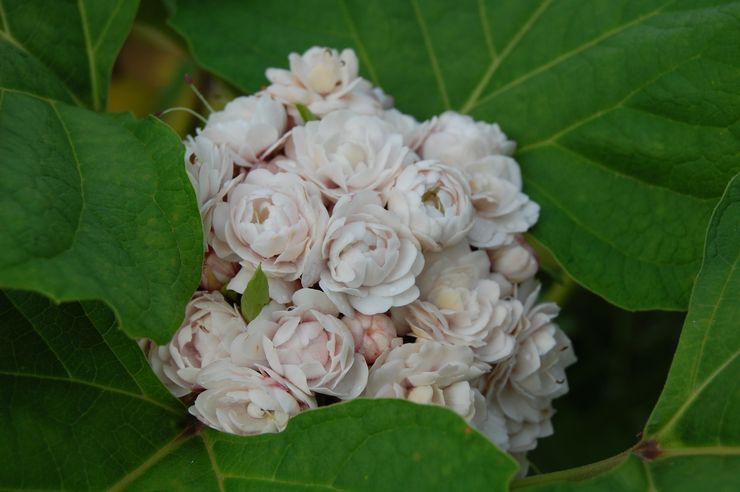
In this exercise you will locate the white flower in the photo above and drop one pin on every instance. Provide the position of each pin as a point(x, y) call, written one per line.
point(308, 345)
point(210, 325)
point(516, 261)
point(325, 81)
point(414, 133)
point(433, 199)
point(430, 372)
point(216, 272)
point(210, 168)
point(373, 335)
point(247, 126)
point(240, 400)
point(459, 140)
point(501, 209)
point(463, 305)
point(345, 153)
point(372, 259)
point(523, 387)
point(276, 220)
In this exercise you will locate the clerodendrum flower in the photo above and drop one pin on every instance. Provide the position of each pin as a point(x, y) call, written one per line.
point(241, 400)
point(372, 259)
point(433, 199)
point(369, 226)
point(430, 372)
point(247, 127)
point(324, 81)
point(345, 153)
point(308, 345)
point(273, 220)
point(210, 325)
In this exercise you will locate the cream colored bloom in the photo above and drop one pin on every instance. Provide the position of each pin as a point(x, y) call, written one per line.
point(210, 168)
point(414, 133)
point(325, 81)
point(373, 335)
point(210, 325)
point(433, 199)
point(273, 220)
point(345, 153)
point(247, 126)
point(216, 272)
point(430, 372)
point(522, 387)
point(459, 140)
point(461, 305)
point(516, 261)
point(502, 211)
point(240, 400)
point(371, 258)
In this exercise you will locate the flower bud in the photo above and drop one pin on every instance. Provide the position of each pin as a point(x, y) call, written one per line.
point(373, 335)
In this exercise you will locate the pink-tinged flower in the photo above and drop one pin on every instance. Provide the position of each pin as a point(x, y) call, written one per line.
point(373, 335)
point(243, 401)
point(210, 325)
point(502, 211)
point(216, 272)
point(522, 388)
point(371, 258)
point(516, 261)
point(247, 127)
point(433, 199)
point(461, 305)
point(430, 372)
point(273, 220)
point(459, 140)
point(210, 168)
point(324, 81)
point(308, 345)
point(345, 153)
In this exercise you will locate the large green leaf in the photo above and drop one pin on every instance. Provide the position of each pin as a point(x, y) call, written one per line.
point(63, 49)
point(692, 441)
point(97, 207)
point(627, 112)
point(82, 410)
point(700, 405)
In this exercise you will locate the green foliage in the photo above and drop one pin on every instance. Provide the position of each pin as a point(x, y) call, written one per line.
point(93, 206)
point(306, 113)
point(86, 405)
point(692, 440)
point(626, 113)
point(588, 89)
point(63, 50)
point(255, 296)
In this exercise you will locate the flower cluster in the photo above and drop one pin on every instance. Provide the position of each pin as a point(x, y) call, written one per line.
point(394, 259)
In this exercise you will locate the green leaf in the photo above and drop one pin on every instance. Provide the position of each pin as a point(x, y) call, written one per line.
point(63, 50)
point(256, 295)
point(692, 440)
point(82, 411)
point(627, 112)
point(97, 207)
point(700, 404)
point(306, 113)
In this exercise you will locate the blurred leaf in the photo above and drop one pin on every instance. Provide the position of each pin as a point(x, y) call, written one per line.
point(692, 440)
point(306, 113)
point(627, 112)
point(63, 50)
point(256, 295)
point(97, 207)
point(83, 411)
